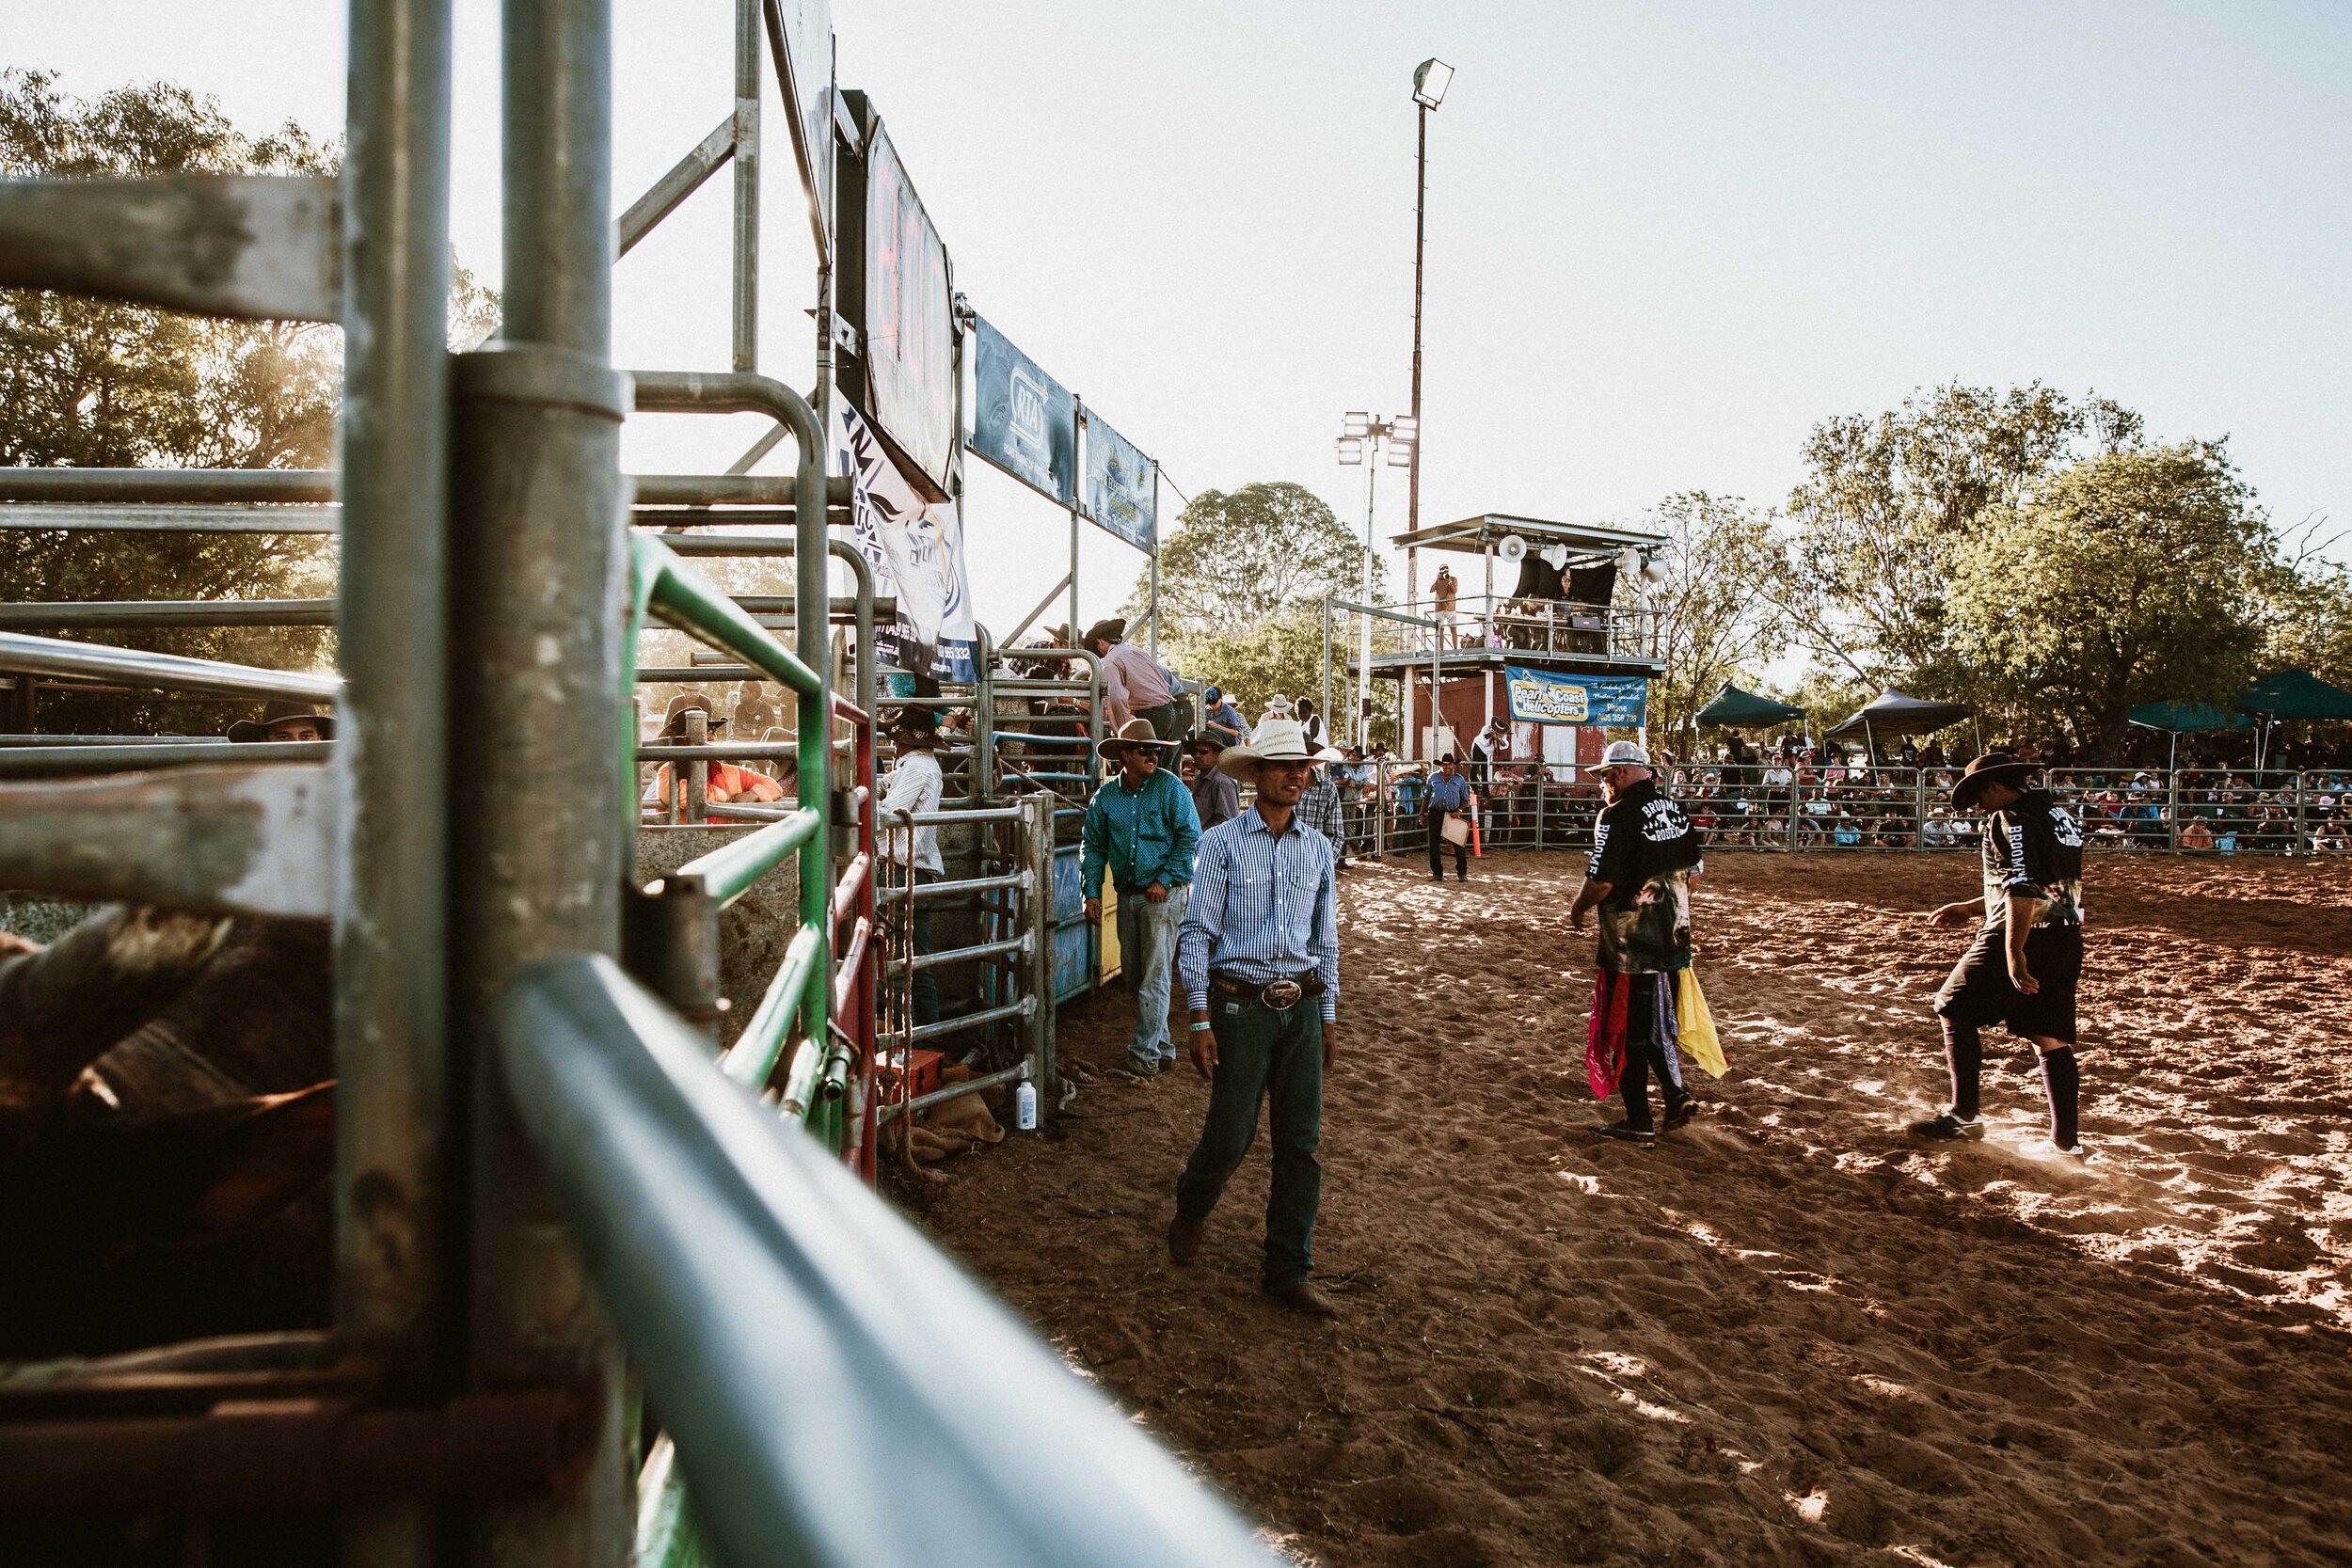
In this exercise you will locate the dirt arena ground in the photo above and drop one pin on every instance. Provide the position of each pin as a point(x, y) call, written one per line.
point(1785, 1335)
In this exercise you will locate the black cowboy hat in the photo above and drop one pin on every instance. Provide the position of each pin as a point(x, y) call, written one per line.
point(1215, 742)
point(916, 720)
point(1992, 767)
point(1105, 631)
point(277, 713)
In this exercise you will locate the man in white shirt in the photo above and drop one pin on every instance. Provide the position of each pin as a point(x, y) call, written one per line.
point(914, 784)
point(1134, 686)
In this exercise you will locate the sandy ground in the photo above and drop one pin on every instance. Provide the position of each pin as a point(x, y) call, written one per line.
point(1784, 1335)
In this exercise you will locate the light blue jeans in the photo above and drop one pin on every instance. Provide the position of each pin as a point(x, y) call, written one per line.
point(1147, 952)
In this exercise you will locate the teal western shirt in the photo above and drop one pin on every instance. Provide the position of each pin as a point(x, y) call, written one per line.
point(1144, 836)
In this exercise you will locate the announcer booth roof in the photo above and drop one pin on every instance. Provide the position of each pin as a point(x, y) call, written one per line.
point(1477, 535)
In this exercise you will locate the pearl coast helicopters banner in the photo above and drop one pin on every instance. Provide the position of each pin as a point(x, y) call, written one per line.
point(916, 548)
point(1549, 697)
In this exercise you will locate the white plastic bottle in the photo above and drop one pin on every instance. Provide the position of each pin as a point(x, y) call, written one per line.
point(1025, 1107)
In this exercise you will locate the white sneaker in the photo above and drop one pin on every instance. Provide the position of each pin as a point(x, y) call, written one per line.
point(2043, 1148)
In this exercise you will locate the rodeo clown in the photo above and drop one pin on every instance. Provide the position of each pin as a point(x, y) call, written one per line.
point(1645, 1001)
point(2022, 968)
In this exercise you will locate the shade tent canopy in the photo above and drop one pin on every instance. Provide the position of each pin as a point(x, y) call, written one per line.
point(2295, 694)
point(1894, 713)
point(1735, 709)
point(2187, 718)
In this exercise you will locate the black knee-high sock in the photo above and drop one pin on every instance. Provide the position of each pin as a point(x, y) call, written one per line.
point(1633, 1083)
point(2063, 1080)
point(1963, 1052)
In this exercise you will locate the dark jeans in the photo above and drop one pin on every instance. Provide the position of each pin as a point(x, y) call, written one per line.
point(1168, 719)
point(925, 989)
point(1279, 1058)
point(1644, 1053)
point(1435, 823)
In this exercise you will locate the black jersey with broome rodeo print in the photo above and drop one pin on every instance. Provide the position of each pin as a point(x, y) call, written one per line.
point(2034, 846)
point(1646, 848)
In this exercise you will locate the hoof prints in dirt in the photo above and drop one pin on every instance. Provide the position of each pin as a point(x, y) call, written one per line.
point(1784, 1334)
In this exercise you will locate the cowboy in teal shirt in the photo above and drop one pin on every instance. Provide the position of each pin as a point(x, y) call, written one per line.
point(1142, 825)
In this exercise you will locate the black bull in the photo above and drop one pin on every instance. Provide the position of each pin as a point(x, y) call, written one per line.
point(166, 1124)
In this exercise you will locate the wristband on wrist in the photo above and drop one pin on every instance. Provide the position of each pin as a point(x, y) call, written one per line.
point(1202, 1027)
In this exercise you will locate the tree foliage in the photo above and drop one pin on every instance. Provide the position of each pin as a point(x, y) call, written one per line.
point(1239, 559)
point(90, 384)
point(1713, 625)
point(1887, 498)
point(2128, 577)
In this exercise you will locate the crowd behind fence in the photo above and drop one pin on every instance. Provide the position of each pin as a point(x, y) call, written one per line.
point(1772, 806)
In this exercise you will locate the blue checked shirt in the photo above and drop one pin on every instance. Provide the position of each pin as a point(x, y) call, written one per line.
point(1264, 909)
point(1448, 794)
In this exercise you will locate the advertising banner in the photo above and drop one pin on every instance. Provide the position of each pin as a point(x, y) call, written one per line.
point(908, 334)
point(916, 548)
point(1551, 697)
point(800, 34)
point(1122, 489)
point(1023, 420)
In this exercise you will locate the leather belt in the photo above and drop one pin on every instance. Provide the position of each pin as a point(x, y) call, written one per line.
point(1278, 996)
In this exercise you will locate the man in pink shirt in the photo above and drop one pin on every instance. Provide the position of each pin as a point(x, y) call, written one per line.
point(1133, 684)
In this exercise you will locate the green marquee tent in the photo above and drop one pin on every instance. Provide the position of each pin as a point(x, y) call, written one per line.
point(2187, 718)
point(2295, 694)
point(1735, 709)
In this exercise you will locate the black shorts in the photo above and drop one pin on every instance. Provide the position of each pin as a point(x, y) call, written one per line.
point(1979, 993)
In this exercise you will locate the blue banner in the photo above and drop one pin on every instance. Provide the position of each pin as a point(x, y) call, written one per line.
point(1550, 697)
point(1023, 420)
point(1122, 487)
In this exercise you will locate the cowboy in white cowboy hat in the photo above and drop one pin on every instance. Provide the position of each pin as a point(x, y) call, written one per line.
point(1260, 957)
point(1141, 828)
point(913, 785)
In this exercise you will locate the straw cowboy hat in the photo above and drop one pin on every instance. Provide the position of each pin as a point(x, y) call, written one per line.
point(1135, 732)
point(1275, 740)
point(1329, 754)
point(245, 730)
point(1991, 769)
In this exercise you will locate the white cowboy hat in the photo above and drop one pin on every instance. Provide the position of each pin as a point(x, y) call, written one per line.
point(1329, 754)
point(1623, 754)
point(1135, 732)
point(1275, 740)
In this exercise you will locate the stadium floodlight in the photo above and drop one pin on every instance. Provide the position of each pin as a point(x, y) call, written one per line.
point(1401, 455)
point(1351, 451)
point(1430, 80)
point(1355, 423)
point(1404, 428)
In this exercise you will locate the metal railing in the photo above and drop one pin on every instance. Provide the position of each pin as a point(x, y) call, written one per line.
point(845, 1390)
point(1473, 622)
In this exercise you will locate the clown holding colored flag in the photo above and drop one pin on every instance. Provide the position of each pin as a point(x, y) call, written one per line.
point(1646, 1006)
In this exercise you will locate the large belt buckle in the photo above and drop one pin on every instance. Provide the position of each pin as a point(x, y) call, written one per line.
point(1282, 995)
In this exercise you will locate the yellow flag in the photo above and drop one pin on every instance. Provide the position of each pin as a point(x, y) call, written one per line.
point(1697, 1025)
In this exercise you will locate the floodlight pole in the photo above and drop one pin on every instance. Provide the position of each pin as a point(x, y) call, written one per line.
point(1412, 482)
point(1363, 663)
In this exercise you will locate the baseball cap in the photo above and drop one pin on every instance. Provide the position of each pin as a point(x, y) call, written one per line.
point(1620, 752)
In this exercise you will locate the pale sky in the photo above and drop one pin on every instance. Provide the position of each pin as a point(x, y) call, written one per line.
point(1664, 239)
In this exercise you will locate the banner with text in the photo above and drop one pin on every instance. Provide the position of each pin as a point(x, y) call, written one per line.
point(1122, 487)
point(1550, 697)
point(916, 548)
point(1023, 420)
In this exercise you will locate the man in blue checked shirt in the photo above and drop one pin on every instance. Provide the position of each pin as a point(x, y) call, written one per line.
point(1448, 795)
point(1141, 827)
point(1259, 959)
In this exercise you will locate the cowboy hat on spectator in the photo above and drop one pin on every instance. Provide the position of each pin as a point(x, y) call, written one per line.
point(1135, 732)
point(673, 717)
point(1106, 632)
point(1275, 740)
point(245, 730)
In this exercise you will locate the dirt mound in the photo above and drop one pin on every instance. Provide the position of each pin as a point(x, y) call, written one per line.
point(1786, 1334)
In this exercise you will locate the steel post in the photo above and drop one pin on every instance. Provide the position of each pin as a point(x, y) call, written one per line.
point(746, 233)
point(536, 677)
point(1042, 1043)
